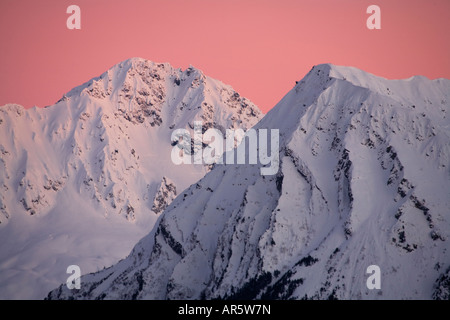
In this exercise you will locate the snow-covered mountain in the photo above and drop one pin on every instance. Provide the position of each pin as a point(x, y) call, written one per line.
point(363, 180)
point(83, 180)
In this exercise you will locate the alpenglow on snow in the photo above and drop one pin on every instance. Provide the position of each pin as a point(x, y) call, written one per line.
point(363, 181)
point(83, 180)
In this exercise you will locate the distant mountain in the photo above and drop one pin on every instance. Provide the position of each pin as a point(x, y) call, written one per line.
point(363, 180)
point(83, 180)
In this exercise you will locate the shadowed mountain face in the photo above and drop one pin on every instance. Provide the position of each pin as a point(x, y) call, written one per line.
point(83, 180)
point(363, 180)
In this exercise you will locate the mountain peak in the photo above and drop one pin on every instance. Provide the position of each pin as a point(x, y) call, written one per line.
point(117, 76)
point(137, 62)
point(328, 71)
point(106, 145)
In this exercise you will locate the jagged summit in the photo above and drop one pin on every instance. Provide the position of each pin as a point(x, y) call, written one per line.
point(144, 90)
point(136, 72)
point(120, 71)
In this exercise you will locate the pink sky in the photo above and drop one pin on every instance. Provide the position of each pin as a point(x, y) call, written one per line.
point(259, 47)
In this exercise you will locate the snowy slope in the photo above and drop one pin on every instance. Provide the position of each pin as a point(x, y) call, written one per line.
point(363, 180)
point(83, 180)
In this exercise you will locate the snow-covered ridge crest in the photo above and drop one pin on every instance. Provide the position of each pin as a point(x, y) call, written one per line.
point(383, 86)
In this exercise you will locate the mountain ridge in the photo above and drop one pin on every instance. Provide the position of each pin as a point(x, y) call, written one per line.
point(362, 181)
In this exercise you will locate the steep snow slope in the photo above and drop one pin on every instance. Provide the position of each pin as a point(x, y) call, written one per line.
point(363, 180)
point(83, 180)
